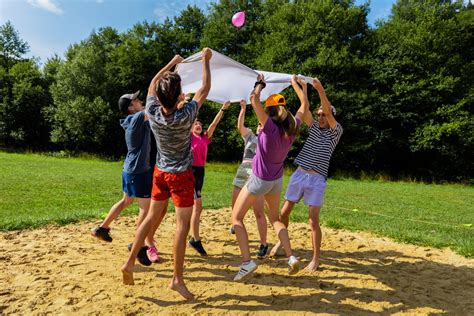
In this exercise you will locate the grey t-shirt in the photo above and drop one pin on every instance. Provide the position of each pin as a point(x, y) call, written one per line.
point(250, 143)
point(173, 134)
point(137, 138)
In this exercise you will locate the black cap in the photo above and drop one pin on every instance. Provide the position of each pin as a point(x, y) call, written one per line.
point(125, 100)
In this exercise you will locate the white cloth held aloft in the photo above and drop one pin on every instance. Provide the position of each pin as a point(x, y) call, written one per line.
point(230, 80)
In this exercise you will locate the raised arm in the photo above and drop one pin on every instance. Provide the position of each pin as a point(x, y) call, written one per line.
point(301, 89)
point(202, 93)
point(152, 87)
point(212, 127)
point(255, 100)
point(241, 119)
point(326, 105)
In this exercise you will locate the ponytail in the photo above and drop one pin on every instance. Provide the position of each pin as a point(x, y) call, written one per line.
point(288, 123)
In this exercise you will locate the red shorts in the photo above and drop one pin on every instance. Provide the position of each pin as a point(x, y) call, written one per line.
point(178, 186)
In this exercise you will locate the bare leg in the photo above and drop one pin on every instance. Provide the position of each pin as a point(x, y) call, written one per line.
point(285, 219)
point(196, 218)
point(155, 225)
point(144, 205)
point(116, 209)
point(259, 211)
point(273, 202)
point(316, 238)
point(242, 205)
point(235, 194)
point(183, 219)
point(154, 214)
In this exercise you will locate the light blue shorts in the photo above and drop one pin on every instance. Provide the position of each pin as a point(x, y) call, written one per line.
point(308, 185)
point(257, 186)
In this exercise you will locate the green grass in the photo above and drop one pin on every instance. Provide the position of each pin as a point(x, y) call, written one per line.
point(36, 190)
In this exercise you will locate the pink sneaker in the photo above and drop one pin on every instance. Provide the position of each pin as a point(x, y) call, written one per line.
point(152, 254)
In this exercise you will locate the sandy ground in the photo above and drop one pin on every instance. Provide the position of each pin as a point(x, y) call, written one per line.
point(63, 270)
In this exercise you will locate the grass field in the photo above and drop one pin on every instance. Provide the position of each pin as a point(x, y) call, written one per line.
point(36, 190)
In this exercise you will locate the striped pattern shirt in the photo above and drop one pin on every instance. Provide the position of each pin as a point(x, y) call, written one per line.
point(172, 134)
point(318, 148)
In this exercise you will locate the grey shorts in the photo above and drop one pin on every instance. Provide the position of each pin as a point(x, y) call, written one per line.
point(257, 186)
point(308, 185)
point(243, 174)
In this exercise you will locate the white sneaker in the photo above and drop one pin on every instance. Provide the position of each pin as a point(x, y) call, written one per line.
point(245, 270)
point(293, 265)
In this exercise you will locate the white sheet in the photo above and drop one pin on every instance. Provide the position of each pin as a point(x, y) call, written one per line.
point(230, 80)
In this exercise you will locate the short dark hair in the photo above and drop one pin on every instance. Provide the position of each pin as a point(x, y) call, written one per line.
point(168, 89)
point(123, 105)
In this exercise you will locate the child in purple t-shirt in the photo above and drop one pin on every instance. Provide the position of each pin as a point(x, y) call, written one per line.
point(274, 141)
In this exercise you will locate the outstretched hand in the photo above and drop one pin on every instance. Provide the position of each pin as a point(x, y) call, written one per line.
point(177, 59)
point(260, 77)
point(317, 84)
point(206, 53)
point(226, 105)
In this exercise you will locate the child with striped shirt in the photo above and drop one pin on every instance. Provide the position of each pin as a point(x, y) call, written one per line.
point(309, 179)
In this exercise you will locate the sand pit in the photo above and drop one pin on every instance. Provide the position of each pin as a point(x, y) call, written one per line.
point(63, 270)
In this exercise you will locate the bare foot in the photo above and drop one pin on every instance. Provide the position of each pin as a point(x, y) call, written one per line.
point(275, 249)
point(312, 266)
point(127, 276)
point(181, 289)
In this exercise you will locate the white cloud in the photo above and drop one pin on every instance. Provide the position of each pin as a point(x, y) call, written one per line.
point(47, 5)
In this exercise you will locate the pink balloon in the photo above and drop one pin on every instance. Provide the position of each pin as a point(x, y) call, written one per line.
point(238, 19)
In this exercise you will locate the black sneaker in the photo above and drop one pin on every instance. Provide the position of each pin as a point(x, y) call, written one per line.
point(102, 233)
point(197, 244)
point(232, 230)
point(143, 257)
point(262, 251)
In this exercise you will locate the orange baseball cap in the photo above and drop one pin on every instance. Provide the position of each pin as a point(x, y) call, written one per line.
point(275, 100)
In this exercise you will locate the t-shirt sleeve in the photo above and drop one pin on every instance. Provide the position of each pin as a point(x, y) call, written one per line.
point(247, 135)
point(336, 132)
point(270, 127)
point(206, 138)
point(152, 106)
point(191, 109)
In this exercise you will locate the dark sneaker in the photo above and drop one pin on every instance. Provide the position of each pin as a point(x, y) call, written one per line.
point(232, 230)
point(102, 233)
point(262, 251)
point(143, 257)
point(197, 244)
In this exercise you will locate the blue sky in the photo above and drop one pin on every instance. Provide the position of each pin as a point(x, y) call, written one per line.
point(50, 26)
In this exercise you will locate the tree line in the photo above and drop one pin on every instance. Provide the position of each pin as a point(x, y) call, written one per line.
point(403, 88)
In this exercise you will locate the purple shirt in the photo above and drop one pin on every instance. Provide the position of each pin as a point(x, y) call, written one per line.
point(272, 148)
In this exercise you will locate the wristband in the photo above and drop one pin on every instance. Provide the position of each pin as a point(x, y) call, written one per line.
point(260, 82)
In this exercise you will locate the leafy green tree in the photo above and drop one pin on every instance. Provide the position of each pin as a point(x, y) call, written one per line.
point(421, 69)
point(22, 122)
point(327, 40)
point(12, 47)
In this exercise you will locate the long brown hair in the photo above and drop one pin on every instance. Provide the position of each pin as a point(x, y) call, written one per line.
point(288, 123)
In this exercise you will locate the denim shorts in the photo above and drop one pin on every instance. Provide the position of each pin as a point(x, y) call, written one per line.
point(137, 185)
point(257, 186)
point(308, 185)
